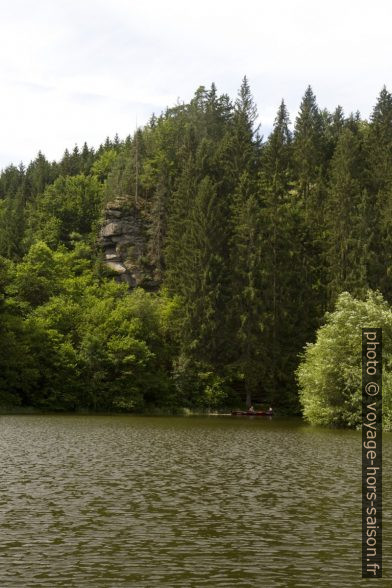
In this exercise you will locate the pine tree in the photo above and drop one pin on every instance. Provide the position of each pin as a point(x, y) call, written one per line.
point(204, 281)
point(310, 156)
point(380, 210)
point(247, 297)
point(333, 124)
point(244, 151)
point(182, 202)
point(13, 212)
point(277, 243)
point(12, 225)
point(87, 158)
point(11, 179)
point(308, 153)
point(347, 201)
point(39, 174)
point(158, 226)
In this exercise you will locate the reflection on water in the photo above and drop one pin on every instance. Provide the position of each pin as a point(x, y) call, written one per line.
point(149, 502)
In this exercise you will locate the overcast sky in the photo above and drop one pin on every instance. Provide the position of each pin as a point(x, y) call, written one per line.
point(75, 71)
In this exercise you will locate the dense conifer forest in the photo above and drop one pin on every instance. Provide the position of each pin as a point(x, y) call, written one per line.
point(250, 241)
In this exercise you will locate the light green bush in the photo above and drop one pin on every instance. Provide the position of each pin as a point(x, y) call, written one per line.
point(330, 372)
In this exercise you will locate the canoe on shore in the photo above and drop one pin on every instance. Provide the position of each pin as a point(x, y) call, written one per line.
point(252, 413)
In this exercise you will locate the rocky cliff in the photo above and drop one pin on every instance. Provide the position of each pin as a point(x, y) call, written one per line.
point(124, 240)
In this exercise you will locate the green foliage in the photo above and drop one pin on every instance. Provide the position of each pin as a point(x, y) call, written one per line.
point(104, 164)
point(283, 285)
point(83, 344)
point(329, 375)
point(18, 372)
point(12, 225)
point(204, 285)
point(199, 387)
point(71, 204)
point(247, 300)
point(245, 243)
point(346, 220)
point(308, 148)
point(35, 279)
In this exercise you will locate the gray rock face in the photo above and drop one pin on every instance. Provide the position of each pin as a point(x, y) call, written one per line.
point(114, 213)
point(111, 229)
point(111, 256)
point(123, 238)
point(116, 267)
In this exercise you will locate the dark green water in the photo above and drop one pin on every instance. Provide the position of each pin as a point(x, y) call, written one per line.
point(149, 502)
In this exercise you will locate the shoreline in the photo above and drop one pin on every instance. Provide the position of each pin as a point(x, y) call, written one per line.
point(184, 412)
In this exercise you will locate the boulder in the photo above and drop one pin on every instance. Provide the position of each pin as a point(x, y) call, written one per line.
point(116, 267)
point(113, 228)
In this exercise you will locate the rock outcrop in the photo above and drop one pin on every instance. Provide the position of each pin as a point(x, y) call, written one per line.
point(123, 238)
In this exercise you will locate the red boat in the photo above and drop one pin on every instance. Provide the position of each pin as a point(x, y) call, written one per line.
point(252, 413)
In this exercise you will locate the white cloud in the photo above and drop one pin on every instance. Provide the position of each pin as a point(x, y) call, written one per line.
point(74, 71)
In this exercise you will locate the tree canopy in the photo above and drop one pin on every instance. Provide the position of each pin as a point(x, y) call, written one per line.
point(249, 242)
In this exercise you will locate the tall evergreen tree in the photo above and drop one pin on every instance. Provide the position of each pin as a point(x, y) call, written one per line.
point(12, 222)
point(245, 144)
point(348, 240)
point(204, 283)
point(380, 213)
point(308, 152)
point(278, 240)
point(309, 158)
point(247, 309)
point(39, 174)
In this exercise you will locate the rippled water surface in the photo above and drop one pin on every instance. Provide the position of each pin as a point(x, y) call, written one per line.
point(149, 502)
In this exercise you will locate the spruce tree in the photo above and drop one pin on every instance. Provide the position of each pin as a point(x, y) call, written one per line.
point(379, 150)
point(278, 241)
point(310, 156)
point(204, 283)
point(245, 144)
point(39, 174)
point(308, 153)
point(347, 234)
point(247, 297)
point(241, 157)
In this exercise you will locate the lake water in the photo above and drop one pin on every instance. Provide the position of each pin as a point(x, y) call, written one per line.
point(107, 501)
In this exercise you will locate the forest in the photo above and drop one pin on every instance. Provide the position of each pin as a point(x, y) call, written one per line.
point(248, 243)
